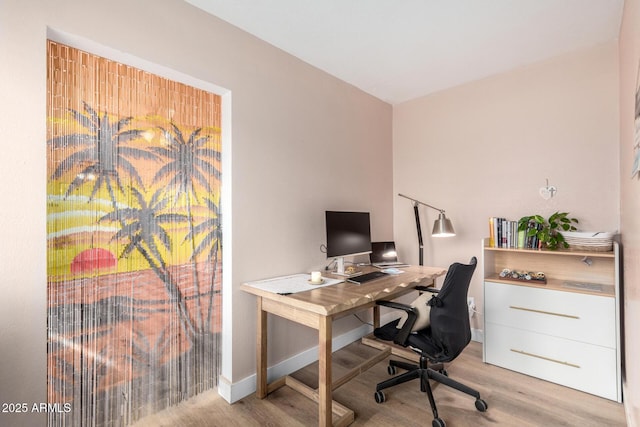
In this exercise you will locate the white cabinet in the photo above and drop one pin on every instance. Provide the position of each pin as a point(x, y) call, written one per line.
point(566, 331)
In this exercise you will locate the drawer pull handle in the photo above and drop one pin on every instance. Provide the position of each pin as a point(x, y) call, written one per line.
point(570, 316)
point(546, 358)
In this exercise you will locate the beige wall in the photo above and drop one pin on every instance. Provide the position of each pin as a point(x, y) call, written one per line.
point(300, 139)
point(630, 205)
point(465, 150)
point(485, 148)
point(303, 142)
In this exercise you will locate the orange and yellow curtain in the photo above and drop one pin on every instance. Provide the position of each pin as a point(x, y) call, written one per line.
point(133, 239)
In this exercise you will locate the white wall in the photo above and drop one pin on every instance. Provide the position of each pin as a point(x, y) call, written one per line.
point(485, 148)
point(303, 142)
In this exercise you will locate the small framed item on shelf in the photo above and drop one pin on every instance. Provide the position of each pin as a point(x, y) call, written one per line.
point(524, 276)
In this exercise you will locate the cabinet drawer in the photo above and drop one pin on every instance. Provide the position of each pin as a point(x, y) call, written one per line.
point(585, 367)
point(580, 317)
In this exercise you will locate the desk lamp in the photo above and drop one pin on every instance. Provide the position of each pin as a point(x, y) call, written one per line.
point(442, 226)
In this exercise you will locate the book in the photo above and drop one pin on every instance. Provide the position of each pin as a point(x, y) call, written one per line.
point(504, 233)
point(492, 237)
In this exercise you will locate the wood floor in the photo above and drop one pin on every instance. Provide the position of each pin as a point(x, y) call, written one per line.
point(513, 400)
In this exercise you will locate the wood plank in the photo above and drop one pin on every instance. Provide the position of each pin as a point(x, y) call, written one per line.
point(514, 400)
point(324, 371)
point(354, 372)
point(395, 349)
point(294, 314)
point(312, 394)
point(341, 298)
point(261, 350)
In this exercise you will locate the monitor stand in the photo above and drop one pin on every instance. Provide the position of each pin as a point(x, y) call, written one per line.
point(340, 268)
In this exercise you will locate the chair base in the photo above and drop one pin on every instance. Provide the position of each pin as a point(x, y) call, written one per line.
point(425, 373)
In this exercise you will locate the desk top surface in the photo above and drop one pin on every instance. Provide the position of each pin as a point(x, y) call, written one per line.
point(334, 299)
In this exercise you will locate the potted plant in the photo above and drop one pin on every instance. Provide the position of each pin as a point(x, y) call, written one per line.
point(547, 231)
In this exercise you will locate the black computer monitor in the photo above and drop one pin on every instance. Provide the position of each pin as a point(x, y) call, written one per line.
point(348, 234)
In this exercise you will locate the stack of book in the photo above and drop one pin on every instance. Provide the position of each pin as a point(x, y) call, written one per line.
point(504, 233)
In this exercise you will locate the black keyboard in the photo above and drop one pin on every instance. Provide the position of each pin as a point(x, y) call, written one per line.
point(366, 277)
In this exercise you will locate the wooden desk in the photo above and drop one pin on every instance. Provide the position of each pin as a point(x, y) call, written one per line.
point(317, 309)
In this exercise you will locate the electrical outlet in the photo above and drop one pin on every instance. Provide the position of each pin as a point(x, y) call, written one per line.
point(471, 303)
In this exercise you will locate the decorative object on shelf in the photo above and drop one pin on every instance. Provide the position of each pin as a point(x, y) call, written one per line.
point(442, 226)
point(524, 276)
point(548, 191)
point(587, 261)
point(546, 232)
point(597, 241)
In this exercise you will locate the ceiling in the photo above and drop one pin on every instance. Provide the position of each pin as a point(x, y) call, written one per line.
point(397, 50)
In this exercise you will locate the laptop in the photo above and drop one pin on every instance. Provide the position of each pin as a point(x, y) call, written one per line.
point(383, 255)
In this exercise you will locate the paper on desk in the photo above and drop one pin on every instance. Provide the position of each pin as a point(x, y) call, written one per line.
point(290, 284)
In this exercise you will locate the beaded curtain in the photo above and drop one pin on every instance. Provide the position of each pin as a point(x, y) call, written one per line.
point(133, 240)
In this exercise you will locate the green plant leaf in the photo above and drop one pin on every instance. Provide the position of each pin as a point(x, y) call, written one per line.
point(547, 230)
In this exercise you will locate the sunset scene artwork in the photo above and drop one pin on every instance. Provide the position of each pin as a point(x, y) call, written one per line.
point(133, 239)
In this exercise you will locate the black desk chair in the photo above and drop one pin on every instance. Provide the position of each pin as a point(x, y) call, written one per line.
point(439, 340)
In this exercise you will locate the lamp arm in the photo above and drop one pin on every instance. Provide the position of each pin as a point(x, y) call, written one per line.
point(418, 202)
point(420, 244)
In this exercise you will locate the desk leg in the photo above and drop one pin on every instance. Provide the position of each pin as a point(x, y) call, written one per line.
point(324, 371)
point(261, 352)
point(376, 316)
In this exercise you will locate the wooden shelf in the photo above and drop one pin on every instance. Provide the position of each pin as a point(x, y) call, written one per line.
point(558, 266)
point(566, 331)
point(554, 284)
point(560, 252)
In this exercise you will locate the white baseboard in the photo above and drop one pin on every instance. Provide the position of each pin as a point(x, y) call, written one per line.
point(629, 408)
point(477, 335)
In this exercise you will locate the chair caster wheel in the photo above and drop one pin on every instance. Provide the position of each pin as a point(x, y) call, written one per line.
point(380, 397)
point(444, 372)
point(438, 422)
point(481, 405)
point(391, 370)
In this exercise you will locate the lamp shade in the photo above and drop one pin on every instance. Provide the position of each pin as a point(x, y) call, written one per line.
point(442, 227)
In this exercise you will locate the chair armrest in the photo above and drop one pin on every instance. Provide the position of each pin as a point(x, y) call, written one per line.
point(412, 316)
point(427, 289)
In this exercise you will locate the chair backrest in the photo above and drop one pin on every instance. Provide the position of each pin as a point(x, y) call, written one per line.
point(450, 331)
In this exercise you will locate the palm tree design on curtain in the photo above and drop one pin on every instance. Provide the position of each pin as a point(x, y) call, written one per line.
point(104, 155)
point(189, 164)
point(212, 240)
point(101, 156)
point(143, 227)
point(104, 152)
